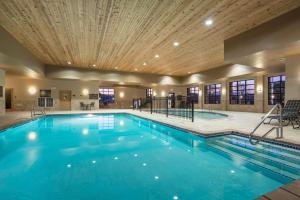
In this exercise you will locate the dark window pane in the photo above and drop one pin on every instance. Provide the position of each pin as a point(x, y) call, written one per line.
point(276, 87)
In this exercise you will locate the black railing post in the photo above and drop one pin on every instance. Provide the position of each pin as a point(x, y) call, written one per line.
point(151, 104)
point(132, 104)
point(167, 106)
point(140, 104)
point(192, 111)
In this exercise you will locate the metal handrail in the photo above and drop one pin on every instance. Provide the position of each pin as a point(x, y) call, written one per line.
point(33, 112)
point(279, 128)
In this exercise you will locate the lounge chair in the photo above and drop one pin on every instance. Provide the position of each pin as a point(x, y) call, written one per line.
point(290, 113)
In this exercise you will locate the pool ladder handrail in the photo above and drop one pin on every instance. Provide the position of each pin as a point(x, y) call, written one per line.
point(34, 113)
point(279, 128)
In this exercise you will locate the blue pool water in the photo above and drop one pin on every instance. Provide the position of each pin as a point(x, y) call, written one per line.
point(120, 156)
point(209, 115)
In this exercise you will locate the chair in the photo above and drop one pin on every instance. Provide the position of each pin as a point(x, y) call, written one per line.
point(82, 106)
point(290, 113)
point(92, 105)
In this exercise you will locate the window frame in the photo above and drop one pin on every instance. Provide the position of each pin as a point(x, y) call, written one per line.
point(149, 92)
point(193, 92)
point(240, 96)
point(213, 93)
point(108, 92)
point(271, 90)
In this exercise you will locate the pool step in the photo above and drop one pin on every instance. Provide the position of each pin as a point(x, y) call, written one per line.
point(288, 166)
point(267, 145)
point(276, 162)
point(276, 153)
point(256, 162)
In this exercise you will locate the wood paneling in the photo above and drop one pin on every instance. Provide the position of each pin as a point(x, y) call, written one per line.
point(124, 34)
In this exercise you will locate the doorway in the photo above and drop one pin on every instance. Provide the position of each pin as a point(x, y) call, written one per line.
point(65, 99)
point(8, 98)
point(172, 99)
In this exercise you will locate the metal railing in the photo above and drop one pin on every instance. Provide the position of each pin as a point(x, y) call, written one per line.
point(37, 111)
point(279, 128)
point(181, 106)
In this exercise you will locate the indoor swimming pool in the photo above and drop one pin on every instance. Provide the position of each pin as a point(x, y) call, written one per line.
point(121, 156)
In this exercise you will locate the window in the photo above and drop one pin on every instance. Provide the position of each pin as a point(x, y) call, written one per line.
point(242, 92)
point(276, 89)
point(149, 92)
point(193, 93)
point(107, 95)
point(213, 94)
point(45, 102)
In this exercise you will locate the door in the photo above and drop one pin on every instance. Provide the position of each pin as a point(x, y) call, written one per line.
point(65, 99)
point(8, 98)
point(172, 99)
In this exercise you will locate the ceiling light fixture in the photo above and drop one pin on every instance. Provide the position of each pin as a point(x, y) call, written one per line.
point(156, 56)
point(69, 62)
point(144, 63)
point(189, 72)
point(116, 67)
point(135, 69)
point(175, 44)
point(94, 65)
point(209, 22)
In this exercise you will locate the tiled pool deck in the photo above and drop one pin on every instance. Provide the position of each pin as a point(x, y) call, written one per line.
point(239, 122)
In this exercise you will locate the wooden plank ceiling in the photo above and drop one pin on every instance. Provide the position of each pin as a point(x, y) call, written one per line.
point(123, 34)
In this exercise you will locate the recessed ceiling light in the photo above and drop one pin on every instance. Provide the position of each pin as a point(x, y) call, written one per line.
point(144, 63)
point(209, 22)
point(156, 56)
point(175, 44)
point(69, 62)
point(94, 65)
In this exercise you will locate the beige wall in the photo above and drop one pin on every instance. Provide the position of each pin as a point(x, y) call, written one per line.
point(276, 34)
point(110, 77)
point(124, 95)
point(293, 77)
point(17, 59)
point(22, 100)
point(2, 99)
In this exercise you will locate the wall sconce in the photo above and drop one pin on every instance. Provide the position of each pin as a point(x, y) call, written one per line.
point(223, 91)
point(85, 92)
point(259, 89)
point(163, 93)
point(32, 90)
point(200, 93)
point(154, 93)
point(121, 94)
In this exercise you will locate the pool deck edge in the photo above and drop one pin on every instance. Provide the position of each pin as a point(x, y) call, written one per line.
point(290, 191)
